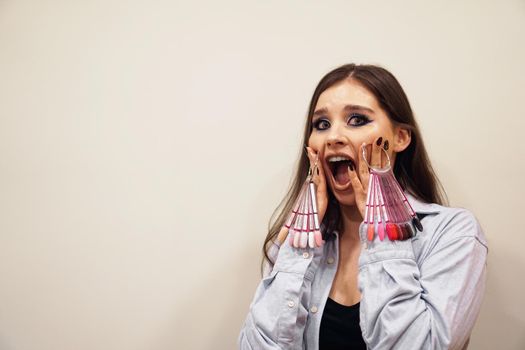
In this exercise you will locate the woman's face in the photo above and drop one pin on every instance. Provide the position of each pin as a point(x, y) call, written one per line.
point(346, 116)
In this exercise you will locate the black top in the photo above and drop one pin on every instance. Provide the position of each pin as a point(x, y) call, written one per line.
point(340, 327)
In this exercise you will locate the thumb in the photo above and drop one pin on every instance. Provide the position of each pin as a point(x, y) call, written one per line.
point(359, 191)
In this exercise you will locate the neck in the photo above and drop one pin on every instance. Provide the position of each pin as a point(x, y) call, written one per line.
point(350, 220)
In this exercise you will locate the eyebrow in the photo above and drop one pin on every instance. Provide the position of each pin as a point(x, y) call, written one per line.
point(346, 108)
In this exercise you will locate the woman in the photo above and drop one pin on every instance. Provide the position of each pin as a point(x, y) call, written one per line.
point(420, 293)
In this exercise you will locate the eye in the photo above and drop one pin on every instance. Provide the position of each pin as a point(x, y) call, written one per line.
point(318, 124)
point(354, 120)
point(358, 119)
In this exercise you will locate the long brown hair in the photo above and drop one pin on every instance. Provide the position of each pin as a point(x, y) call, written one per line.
point(412, 167)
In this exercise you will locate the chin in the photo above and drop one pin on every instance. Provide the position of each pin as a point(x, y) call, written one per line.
point(346, 198)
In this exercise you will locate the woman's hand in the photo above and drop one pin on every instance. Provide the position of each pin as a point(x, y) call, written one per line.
point(376, 158)
point(319, 180)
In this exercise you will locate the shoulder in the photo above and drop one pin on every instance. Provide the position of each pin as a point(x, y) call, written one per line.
point(446, 222)
point(451, 225)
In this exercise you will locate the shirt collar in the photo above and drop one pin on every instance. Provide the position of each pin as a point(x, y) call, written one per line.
point(423, 207)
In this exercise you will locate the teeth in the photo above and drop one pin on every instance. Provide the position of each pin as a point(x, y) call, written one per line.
point(337, 159)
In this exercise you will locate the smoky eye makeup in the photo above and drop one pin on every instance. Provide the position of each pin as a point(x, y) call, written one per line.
point(355, 119)
point(358, 119)
point(319, 122)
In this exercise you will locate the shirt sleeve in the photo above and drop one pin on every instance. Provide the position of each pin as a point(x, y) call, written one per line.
point(430, 305)
point(279, 310)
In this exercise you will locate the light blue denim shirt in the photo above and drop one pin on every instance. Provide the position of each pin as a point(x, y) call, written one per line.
point(422, 293)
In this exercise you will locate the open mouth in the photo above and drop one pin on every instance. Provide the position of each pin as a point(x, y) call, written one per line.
point(339, 173)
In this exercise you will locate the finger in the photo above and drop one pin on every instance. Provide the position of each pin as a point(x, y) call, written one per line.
point(354, 179)
point(363, 167)
point(320, 168)
point(376, 152)
point(315, 158)
point(319, 174)
point(319, 181)
point(359, 190)
point(312, 157)
point(386, 146)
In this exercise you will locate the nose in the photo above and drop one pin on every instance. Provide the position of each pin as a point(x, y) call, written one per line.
point(335, 140)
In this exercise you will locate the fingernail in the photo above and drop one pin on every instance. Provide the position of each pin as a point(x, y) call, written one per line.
point(385, 146)
point(379, 140)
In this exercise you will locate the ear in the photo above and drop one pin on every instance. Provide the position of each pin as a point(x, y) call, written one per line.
point(402, 138)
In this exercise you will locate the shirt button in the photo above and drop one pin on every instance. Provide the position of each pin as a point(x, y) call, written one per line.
point(330, 260)
point(291, 303)
point(306, 255)
point(314, 309)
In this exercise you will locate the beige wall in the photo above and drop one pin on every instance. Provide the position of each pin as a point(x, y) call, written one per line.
point(144, 146)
